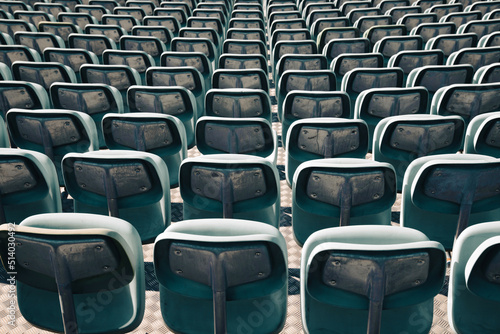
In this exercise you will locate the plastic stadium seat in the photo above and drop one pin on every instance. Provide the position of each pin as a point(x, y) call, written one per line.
point(238, 103)
point(160, 134)
point(212, 12)
point(301, 104)
point(108, 4)
point(130, 185)
point(487, 74)
point(58, 294)
point(460, 18)
point(169, 100)
point(12, 53)
point(492, 39)
point(480, 27)
point(94, 99)
point(399, 140)
point(22, 94)
point(51, 8)
point(247, 24)
point(244, 47)
point(386, 5)
point(230, 186)
point(79, 19)
point(492, 15)
point(247, 13)
point(443, 194)
point(366, 12)
point(112, 31)
point(373, 279)
point(400, 11)
point(319, 80)
point(281, 48)
point(5, 39)
point(198, 60)
point(12, 6)
point(450, 43)
point(390, 45)
point(315, 15)
point(477, 57)
point(437, 76)
point(413, 20)
point(364, 23)
point(288, 35)
point(246, 260)
point(246, 34)
point(95, 43)
point(378, 32)
point(126, 21)
point(153, 46)
point(329, 22)
point(483, 6)
point(466, 100)
point(11, 26)
point(96, 11)
point(360, 79)
point(71, 57)
point(333, 33)
point(147, 6)
point(38, 41)
point(241, 78)
point(206, 22)
point(43, 73)
point(32, 16)
point(341, 192)
point(344, 63)
point(338, 46)
point(252, 136)
point(204, 45)
point(209, 33)
point(430, 30)
point(375, 104)
point(347, 6)
point(175, 9)
point(281, 16)
point(169, 22)
point(184, 76)
point(309, 62)
point(473, 288)
point(427, 4)
point(29, 185)
point(409, 60)
point(137, 60)
point(324, 138)
point(61, 29)
point(482, 134)
point(160, 32)
point(243, 61)
point(444, 9)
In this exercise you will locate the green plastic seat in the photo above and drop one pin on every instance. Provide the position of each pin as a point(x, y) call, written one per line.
point(377, 32)
point(185, 76)
point(280, 16)
point(196, 59)
point(173, 8)
point(323, 138)
point(170, 22)
point(367, 13)
point(477, 57)
point(427, 4)
point(43, 73)
point(443, 194)
point(344, 63)
point(360, 79)
point(11, 26)
point(198, 44)
point(112, 31)
point(450, 43)
point(390, 45)
point(492, 15)
point(153, 46)
point(461, 17)
point(238, 103)
point(108, 4)
point(487, 74)
point(246, 34)
point(243, 61)
point(409, 60)
point(252, 136)
point(29, 185)
point(398, 12)
point(430, 30)
point(126, 21)
point(207, 22)
point(480, 27)
point(473, 288)
point(11, 7)
point(288, 35)
point(338, 46)
point(483, 6)
point(251, 78)
point(466, 100)
point(399, 140)
point(209, 33)
point(317, 14)
point(303, 62)
point(160, 134)
point(22, 94)
point(321, 24)
point(287, 24)
point(281, 48)
point(38, 41)
point(61, 29)
point(481, 135)
point(137, 60)
point(341, 192)
point(78, 273)
point(96, 11)
point(247, 263)
point(212, 10)
point(386, 5)
point(346, 6)
point(80, 19)
point(72, 57)
point(492, 39)
point(96, 44)
point(131, 185)
point(166, 100)
point(444, 9)
point(365, 23)
point(230, 186)
point(413, 20)
point(332, 33)
point(374, 105)
point(54, 132)
point(31, 16)
point(162, 33)
point(373, 279)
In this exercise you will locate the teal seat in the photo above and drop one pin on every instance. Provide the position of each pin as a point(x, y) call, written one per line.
point(112, 31)
point(320, 80)
point(450, 43)
point(355, 14)
point(427, 4)
point(94, 99)
point(324, 138)
point(492, 15)
point(347, 6)
point(198, 60)
point(398, 12)
point(54, 132)
point(399, 140)
point(78, 273)
point(328, 34)
point(252, 136)
point(430, 30)
point(152, 45)
point(280, 16)
point(80, 19)
point(360, 79)
point(166, 100)
point(126, 21)
point(170, 22)
point(72, 57)
point(480, 27)
point(138, 60)
point(307, 47)
point(473, 294)
point(321, 24)
point(207, 22)
point(444, 9)
point(466, 100)
point(374, 105)
point(487, 74)
point(246, 24)
point(286, 24)
point(252, 78)
point(391, 45)
point(364, 24)
point(246, 34)
point(492, 39)
point(194, 33)
point(130, 185)
point(341, 192)
point(96, 11)
point(338, 46)
point(244, 46)
point(12, 53)
point(22, 94)
point(413, 20)
point(461, 17)
point(482, 133)
point(483, 6)
point(344, 63)
point(247, 263)
point(185, 76)
point(61, 29)
point(136, 12)
point(160, 134)
point(243, 61)
point(377, 32)
point(443, 194)
point(288, 35)
point(433, 77)
point(317, 14)
point(29, 185)
point(11, 26)
point(303, 104)
point(304, 62)
point(230, 186)
point(95, 43)
point(373, 279)
point(43, 73)
point(477, 57)
point(160, 32)
point(409, 60)
point(238, 103)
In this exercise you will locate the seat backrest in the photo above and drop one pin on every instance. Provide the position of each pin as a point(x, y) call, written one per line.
point(487, 74)
point(390, 45)
point(482, 133)
point(230, 186)
point(12, 53)
point(378, 32)
point(480, 27)
point(309, 62)
point(430, 30)
point(43, 73)
point(450, 43)
point(74, 58)
point(477, 57)
point(22, 94)
point(95, 43)
point(338, 46)
point(38, 41)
